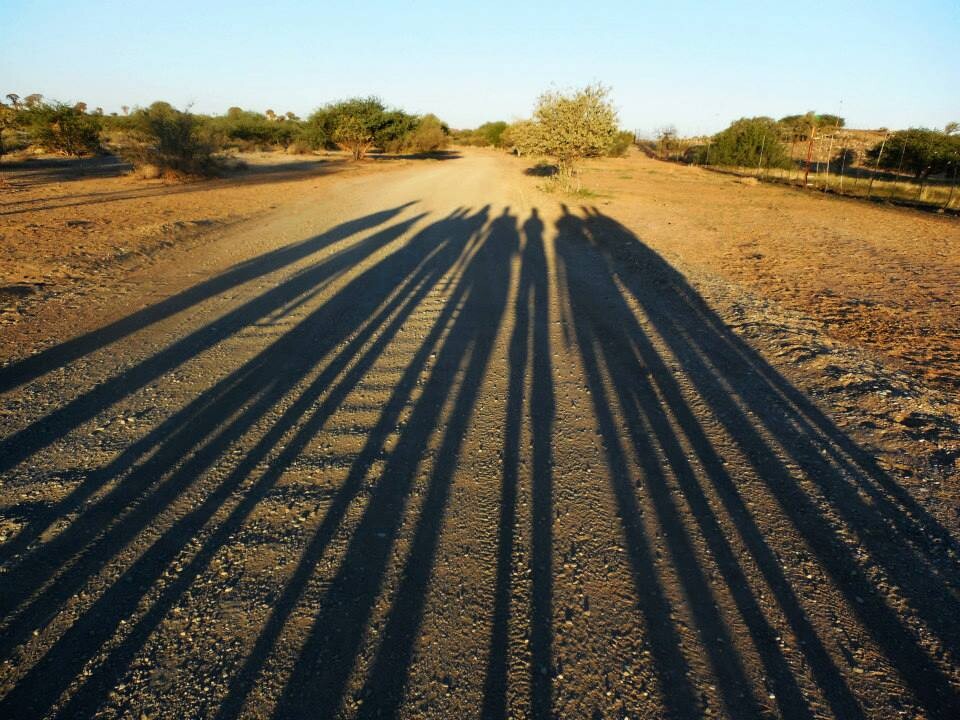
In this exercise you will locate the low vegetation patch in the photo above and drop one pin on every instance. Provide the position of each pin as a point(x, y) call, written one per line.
point(162, 139)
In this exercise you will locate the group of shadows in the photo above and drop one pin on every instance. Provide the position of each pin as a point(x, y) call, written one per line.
point(640, 411)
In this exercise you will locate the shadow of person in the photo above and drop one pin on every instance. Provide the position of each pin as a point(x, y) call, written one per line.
point(462, 338)
point(364, 315)
point(529, 357)
point(767, 420)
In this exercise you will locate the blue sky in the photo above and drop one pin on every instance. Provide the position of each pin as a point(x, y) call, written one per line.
point(697, 65)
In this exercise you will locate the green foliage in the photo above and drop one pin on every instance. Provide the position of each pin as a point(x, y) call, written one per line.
point(248, 127)
point(361, 124)
point(490, 134)
point(395, 130)
point(570, 127)
point(799, 127)
point(171, 140)
point(919, 151)
point(8, 121)
point(61, 128)
point(351, 124)
point(831, 121)
point(429, 135)
point(517, 136)
point(621, 143)
point(749, 142)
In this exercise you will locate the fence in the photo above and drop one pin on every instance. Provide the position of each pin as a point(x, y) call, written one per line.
point(834, 160)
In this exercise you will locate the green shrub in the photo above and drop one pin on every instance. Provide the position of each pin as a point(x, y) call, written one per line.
point(919, 151)
point(799, 127)
point(570, 127)
point(246, 128)
point(749, 142)
point(621, 143)
point(61, 128)
point(395, 130)
point(351, 124)
point(174, 141)
point(429, 135)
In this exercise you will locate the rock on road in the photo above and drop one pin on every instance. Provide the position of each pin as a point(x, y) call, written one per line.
point(432, 444)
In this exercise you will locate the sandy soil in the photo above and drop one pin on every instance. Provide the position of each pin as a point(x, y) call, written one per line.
point(426, 441)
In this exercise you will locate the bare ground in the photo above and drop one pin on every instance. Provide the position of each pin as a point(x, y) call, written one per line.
point(424, 441)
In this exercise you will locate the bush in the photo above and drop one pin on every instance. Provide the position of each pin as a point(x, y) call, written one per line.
point(518, 136)
point(919, 151)
point(621, 143)
point(429, 135)
point(252, 128)
point(174, 141)
point(748, 142)
point(799, 127)
point(62, 128)
point(395, 130)
point(297, 147)
point(351, 124)
point(570, 127)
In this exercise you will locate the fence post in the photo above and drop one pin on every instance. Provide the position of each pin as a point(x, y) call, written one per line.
point(843, 164)
point(806, 170)
point(826, 175)
point(876, 167)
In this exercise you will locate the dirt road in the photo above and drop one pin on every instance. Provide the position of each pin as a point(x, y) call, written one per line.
point(432, 444)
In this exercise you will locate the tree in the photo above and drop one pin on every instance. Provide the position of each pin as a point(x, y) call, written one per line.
point(667, 141)
point(8, 119)
point(570, 127)
point(621, 143)
point(802, 127)
point(429, 135)
point(748, 142)
point(491, 133)
point(919, 151)
point(952, 128)
point(394, 131)
point(352, 124)
point(14, 100)
point(518, 136)
point(62, 128)
point(169, 139)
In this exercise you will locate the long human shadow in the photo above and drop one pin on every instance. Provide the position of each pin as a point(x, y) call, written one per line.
point(245, 679)
point(462, 338)
point(734, 380)
point(605, 328)
point(23, 444)
point(22, 371)
point(371, 307)
point(530, 335)
point(187, 428)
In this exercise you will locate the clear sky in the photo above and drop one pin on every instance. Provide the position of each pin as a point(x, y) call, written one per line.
point(697, 65)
